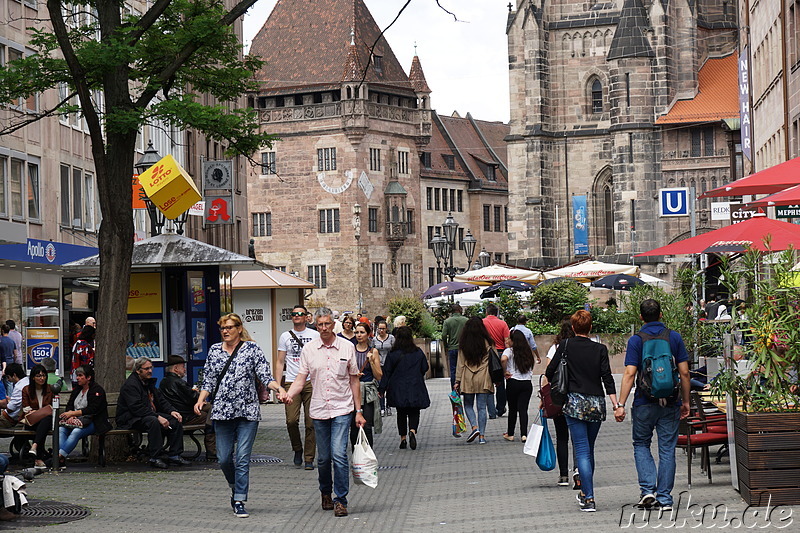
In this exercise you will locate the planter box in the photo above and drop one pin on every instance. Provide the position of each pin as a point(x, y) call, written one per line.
point(768, 457)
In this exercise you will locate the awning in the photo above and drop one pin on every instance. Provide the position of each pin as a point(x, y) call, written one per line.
point(268, 279)
point(494, 273)
point(768, 181)
point(589, 270)
point(790, 196)
point(736, 237)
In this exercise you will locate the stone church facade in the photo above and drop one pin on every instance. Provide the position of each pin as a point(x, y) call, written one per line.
point(589, 81)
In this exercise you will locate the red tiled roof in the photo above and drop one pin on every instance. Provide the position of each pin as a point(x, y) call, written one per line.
point(717, 95)
point(306, 43)
point(417, 77)
point(439, 147)
point(472, 148)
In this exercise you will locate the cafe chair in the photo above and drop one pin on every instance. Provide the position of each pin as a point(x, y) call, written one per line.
point(696, 433)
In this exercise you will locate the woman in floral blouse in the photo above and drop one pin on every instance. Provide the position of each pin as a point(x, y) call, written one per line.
point(235, 410)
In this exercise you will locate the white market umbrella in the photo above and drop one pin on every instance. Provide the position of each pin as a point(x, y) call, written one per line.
point(589, 270)
point(464, 299)
point(494, 273)
point(652, 280)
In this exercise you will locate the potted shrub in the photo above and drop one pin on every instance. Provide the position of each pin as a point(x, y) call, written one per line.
point(767, 419)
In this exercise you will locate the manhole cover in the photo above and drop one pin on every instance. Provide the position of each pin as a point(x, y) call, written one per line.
point(43, 513)
point(265, 459)
point(392, 467)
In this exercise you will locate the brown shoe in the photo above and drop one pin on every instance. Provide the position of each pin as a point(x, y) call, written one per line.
point(339, 509)
point(327, 502)
point(6, 515)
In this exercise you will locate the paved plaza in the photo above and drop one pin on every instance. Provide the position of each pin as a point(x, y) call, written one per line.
point(445, 485)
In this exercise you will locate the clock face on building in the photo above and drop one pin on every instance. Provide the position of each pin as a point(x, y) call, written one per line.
point(335, 183)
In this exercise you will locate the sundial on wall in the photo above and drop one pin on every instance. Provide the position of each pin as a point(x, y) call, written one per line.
point(335, 183)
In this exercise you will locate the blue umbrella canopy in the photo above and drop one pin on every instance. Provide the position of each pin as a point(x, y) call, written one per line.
point(446, 288)
point(509, 284)
point(618, 282)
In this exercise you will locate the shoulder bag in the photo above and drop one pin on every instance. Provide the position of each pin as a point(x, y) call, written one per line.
point(495, 366)
point(560, 385)
point(225, 369)
point(550, 409)
point(38, 415)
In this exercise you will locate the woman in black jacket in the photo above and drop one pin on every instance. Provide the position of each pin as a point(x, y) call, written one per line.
point(86, 414)
point(585, 408)
point(404, 384)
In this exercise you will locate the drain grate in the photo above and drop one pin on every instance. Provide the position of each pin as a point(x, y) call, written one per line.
point(43, 513)
point(392, 467)
point(269, 459)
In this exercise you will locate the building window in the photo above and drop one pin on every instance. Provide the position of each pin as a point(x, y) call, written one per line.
point(489, 172)
point(708, 142)
point(449, 161)
point(318, 276)
point(498, 258)
point(432, 230)
point(377, 62)
point(66, 219)
point(409, 221)
point(3, 186)
point(268, 163)
point(329, 220)
point(375, 159)
point(429, 198)
point(373, 219)
point(377, 275)
point(436, 203)
point(453, 200)
point(262, 224)
point(505, 217)
point(77, 198)
point(431, 276)
point(402, 162)
point(487, 218)
point(405, 275)
point(444, 199)
point(460, 201)
point(460, 238)
point(22, 188)
point(326, 159)
point(597, 96)
point(497, 218)
point(425, 159)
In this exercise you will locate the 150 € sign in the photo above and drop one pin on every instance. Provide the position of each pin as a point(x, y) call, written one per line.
point(169, 187)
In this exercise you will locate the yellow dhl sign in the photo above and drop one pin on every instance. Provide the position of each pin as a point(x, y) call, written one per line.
point(169, 187)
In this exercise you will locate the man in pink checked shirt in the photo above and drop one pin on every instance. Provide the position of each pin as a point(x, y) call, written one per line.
point(331, 363)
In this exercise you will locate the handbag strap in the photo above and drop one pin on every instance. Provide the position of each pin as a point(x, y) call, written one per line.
point(295, 337)
point(225, 368)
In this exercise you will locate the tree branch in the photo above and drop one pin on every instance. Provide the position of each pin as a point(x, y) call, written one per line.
point(30, 119)
point(147, 20)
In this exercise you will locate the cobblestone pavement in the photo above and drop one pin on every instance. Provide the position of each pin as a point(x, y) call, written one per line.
point(445, 485)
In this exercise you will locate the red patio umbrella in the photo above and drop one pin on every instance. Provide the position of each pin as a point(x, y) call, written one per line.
point(790, 196)
point(768, 181)
point(737, 237)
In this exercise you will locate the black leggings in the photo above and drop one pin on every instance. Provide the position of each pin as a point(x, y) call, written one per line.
point(407, 418)
point(369, 416)
point(41, 428)
point(519, 398)
point(562, 444)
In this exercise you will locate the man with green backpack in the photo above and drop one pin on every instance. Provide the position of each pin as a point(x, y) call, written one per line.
point(656, 359)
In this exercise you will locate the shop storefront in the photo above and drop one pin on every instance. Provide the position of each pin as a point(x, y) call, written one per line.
point(32, 294)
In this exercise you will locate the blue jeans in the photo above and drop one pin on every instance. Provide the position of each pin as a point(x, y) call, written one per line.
point(452, 357)
point(664, 420)
point(234, 444)
point(3, 463)
point(332, 462)
point(583, 436)
point(483, 399)
point(69, 438)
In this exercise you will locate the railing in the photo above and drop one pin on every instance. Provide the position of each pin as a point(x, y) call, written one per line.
point(347, 107)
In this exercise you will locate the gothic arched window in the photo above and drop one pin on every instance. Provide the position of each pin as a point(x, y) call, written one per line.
point(597, 96)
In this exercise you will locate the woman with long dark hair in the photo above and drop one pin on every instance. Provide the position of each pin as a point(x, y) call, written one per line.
point(585, 407)
point(560, 422)
point(86, 413)
point(404, 384)
point(370, 373)
point(518, 361)
point(36, 395)
point(472, 375)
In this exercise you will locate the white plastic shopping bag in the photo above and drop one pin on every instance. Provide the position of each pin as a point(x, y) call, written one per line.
point(534, 438)
point(364, 463)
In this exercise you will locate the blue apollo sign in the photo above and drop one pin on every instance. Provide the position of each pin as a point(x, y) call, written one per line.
point(46, 252)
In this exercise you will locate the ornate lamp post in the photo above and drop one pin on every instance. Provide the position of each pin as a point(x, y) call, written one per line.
point(148, 159)
point(484, 258)
point(444, 246)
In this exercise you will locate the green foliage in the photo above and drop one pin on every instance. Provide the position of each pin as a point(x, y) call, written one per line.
point(540, 325)
point(417, 318)
point(556, 301)
point(441, 312)
point(608, 320)
point(509, 305)
point(478, 310)
point(673, 310)
point(772, 313)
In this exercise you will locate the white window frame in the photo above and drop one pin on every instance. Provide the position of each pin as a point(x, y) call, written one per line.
point(402, 161)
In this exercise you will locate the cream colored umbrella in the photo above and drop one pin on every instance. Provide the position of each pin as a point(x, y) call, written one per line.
point(494, 273)
point(589, 270)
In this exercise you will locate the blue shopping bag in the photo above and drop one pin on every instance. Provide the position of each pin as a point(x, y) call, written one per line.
point(546, 459)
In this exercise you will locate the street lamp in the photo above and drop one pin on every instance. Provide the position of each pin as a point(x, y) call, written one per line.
point(445, 245)
point(148, 159)
point(484, 258)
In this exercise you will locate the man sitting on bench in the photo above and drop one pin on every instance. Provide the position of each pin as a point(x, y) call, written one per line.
point(12, 406)
point(142, 407)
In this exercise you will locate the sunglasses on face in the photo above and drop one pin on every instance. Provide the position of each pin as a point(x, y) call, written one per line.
point(298, 314)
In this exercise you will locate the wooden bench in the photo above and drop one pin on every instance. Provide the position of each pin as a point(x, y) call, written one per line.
point(21, 437)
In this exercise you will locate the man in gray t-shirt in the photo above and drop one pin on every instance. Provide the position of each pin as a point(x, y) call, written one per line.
point(290, 345)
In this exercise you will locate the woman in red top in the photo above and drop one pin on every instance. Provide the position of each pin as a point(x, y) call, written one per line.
point(83, 351)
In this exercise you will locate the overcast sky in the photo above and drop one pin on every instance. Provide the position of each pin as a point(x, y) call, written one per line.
point(465, 62)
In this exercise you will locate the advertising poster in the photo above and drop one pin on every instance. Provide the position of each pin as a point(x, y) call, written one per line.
point(199, 338)
point(198, 294)
point(145, 293)
point(42, 343)
point(580, 225)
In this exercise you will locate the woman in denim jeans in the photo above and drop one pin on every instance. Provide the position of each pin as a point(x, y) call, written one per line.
point(86, 414)
point(585, 408)
point(472, 374)
point(235, 409)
